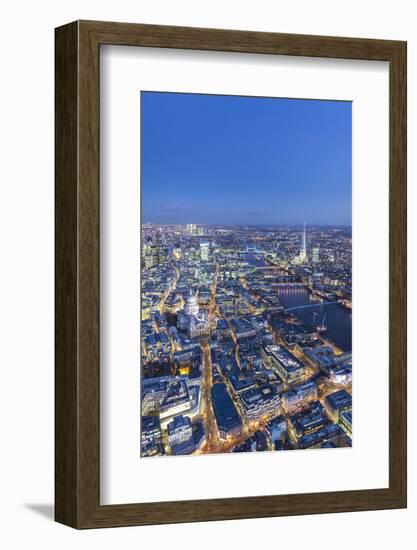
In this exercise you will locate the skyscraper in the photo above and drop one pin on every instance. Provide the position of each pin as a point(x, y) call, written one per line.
point(204, 251)
point(315, 255)
point(303, 250)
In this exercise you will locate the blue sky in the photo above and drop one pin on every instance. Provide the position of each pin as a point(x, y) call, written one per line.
point(241, 160)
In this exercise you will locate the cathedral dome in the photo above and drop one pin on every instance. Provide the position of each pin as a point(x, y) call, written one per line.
point(191, 303)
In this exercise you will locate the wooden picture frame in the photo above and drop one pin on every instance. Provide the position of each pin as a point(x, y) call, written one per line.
point(77, 406)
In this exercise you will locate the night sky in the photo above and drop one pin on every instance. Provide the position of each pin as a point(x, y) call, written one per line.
point(210, 159)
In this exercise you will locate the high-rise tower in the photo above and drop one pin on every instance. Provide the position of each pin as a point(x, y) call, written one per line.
point(303, 250)
point(204, 251)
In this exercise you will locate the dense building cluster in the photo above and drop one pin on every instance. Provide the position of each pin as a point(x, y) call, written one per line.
point(245, 338)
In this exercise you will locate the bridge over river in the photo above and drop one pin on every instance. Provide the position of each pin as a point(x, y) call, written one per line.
point(307, 306)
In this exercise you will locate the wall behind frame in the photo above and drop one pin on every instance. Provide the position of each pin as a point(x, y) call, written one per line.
point(26, 290)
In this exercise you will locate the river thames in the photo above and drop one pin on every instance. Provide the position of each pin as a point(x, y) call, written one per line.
point(338, 319)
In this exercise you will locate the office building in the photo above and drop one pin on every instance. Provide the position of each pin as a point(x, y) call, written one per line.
point(289, 368)
point(276, 427)
point(259, 402)
point(315, 439)
point(298, 397)
point(308, 422)
point(336, 403)
point(176, 401)
point(151, 444)
point(153, 392)
point(228, 421)
point(204, 251)
point(345, 421)
point(180, 435)
point(337, 367)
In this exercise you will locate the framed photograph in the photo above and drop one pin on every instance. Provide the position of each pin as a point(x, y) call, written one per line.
point(230, 274)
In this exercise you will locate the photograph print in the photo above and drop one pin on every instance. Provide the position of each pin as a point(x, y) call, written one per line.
point(245, 274)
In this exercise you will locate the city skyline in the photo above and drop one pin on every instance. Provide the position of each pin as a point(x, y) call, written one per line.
point(294, 164)
point(277, 225)
point(246, 339)
point(245, 275)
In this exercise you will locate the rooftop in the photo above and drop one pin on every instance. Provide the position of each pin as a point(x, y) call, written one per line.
point(177, 393)
point(347, 415)
point(284, 357)
point(150, 423)
point(339, 399)
point(179, 422)
point(226, 414)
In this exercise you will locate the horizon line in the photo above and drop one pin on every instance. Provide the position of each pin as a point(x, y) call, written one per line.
point(292, 224)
